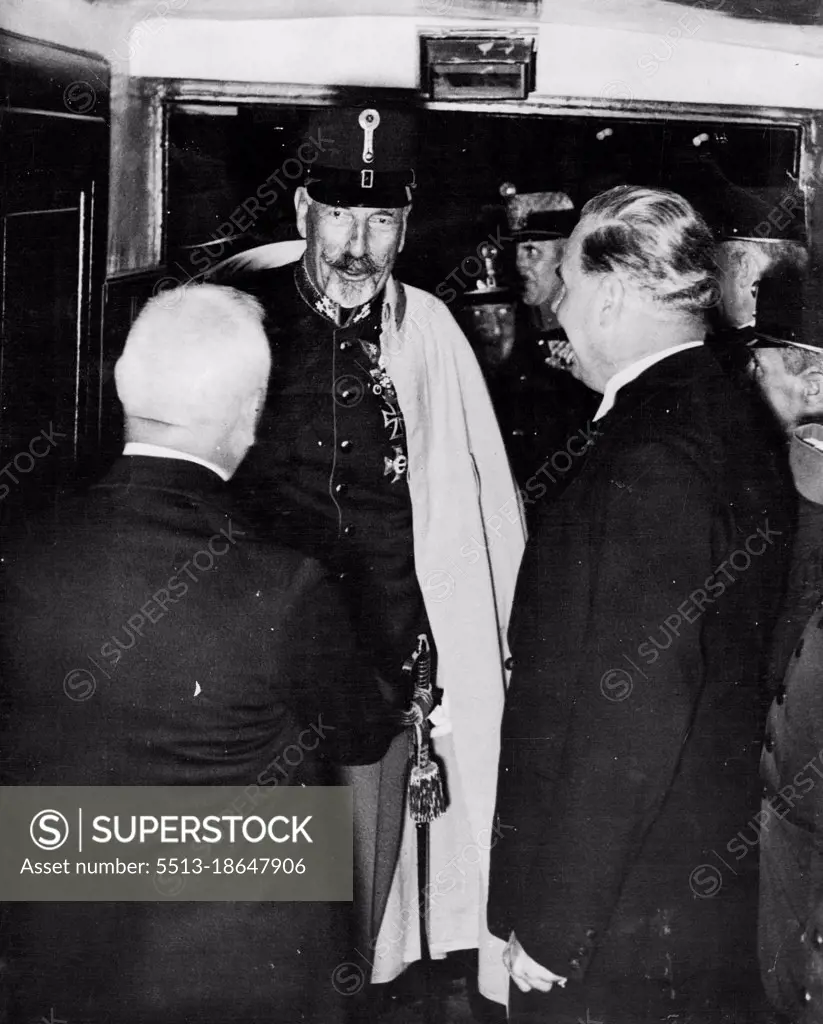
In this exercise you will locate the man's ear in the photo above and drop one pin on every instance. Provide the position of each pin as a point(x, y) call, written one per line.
point(812, 393)
point(610, 299)
point(258, 402)
point(301, 206)
point(250, 412)
point(404, 220)
point(746, 271)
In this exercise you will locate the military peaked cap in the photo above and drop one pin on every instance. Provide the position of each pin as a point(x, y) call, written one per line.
point(366, 156)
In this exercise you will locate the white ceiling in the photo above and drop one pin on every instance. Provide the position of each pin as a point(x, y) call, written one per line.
point(727, 21)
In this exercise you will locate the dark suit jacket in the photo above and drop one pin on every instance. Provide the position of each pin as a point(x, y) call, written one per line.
point(208, 653)
point(791, 855)
point(629, 740)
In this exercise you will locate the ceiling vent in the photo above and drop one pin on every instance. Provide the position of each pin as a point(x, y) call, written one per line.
point(477, 66)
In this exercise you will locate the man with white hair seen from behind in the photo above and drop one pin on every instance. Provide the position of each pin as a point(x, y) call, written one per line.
point(193, 376)
point(631, 731)
point(207, 654)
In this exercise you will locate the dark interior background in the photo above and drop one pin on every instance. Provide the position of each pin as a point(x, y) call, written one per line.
point(218, 160)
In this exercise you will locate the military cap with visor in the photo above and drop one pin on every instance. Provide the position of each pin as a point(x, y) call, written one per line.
point(538, 216)
point(366, 156)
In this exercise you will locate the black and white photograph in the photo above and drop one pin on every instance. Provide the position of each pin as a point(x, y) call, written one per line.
point(411, 512)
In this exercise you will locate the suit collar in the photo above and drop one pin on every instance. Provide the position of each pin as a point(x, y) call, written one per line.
point(140, 472)
point(635, 370)
point(162, 452)
point(676, 371)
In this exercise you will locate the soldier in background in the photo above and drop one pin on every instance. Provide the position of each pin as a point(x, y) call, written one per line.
point(788, 368)
point(750, 248)
point(487, 318)
point(540, 404)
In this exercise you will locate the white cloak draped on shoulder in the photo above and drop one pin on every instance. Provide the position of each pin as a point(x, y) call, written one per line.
point(468, 541)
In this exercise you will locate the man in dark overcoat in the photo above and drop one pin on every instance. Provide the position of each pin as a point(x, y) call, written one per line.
point(149, 639)
point(641, 623)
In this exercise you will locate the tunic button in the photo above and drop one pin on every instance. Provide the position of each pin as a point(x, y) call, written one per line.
point(341, 488)
point(345, 345)
point(817, 940)
point(574, 963)
point(319, 444)
point(349, 530)
point(769, 744)
point(508, 664)
point(807, 996)
point(345, 445)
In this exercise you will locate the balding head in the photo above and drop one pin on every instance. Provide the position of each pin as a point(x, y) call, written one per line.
point(743, 263)
point(194, 371)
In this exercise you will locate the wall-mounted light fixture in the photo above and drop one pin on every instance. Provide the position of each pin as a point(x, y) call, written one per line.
point(478, 65)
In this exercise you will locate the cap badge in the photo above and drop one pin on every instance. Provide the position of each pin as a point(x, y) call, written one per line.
point(368, 121)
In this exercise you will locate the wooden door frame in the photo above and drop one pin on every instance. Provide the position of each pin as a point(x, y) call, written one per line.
point(141, 110)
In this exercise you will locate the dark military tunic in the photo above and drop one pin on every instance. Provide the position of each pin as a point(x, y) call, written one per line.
point(328, 472)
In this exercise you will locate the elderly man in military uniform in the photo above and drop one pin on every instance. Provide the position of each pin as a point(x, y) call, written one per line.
point(539, 403)
point(380, 453)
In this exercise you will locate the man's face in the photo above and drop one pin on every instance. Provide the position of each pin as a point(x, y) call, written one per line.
point(784, 392)
point(490, 329)
point(575, 308)
point(537, 263)
point(350, 251)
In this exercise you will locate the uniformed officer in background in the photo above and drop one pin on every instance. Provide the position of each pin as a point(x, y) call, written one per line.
point(382, 452)
point(540, 223)
point(755, 241)
point(540, 404)
point(487, 316)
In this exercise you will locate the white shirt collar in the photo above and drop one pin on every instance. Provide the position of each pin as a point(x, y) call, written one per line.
point(633, 371)
point(156, 451)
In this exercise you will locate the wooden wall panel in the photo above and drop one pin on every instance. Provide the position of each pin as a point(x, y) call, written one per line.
point(138, 175)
